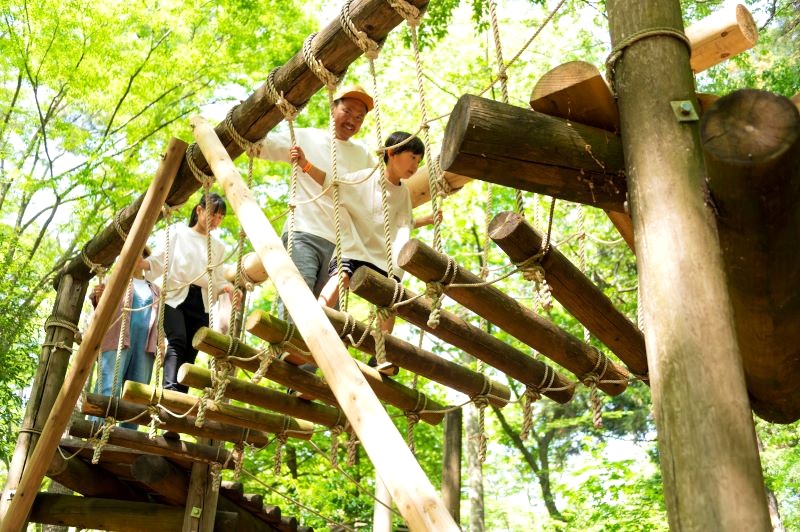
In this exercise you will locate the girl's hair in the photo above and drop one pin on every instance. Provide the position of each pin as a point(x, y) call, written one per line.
point(414, 145)
point(214, 200)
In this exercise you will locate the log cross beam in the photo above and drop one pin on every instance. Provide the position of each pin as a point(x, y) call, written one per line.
point(519, 321)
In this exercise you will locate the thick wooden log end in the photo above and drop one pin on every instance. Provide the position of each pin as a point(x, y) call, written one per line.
point(407, 252)
point(454, 132)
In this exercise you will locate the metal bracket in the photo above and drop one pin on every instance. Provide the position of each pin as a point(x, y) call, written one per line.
point(196, 511)
point(684, 111)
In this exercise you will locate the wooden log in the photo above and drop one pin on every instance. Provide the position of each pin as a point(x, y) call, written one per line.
point(88, 479)
point(539, 153)
point(421, 362)
point(110, 514)
point(81, 365)
point(721, 35)
point(97, 405)
point(234, 490)
point(53, 362)
point(451, 464)
point(419, 503)
point(380, 290)
point(224, 413)
point(257, 115)
point(111, 453)
point(253, 272)
point(256, 395)
point(419, 186)
point(160, 446)
point(752, 153)
point(579, 295)
point(164, 478)
point(510, 315)
point(385, 388)
point(710, 465)
point(796, 101)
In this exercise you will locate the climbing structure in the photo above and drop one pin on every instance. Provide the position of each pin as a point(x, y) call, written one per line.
point(567, 147)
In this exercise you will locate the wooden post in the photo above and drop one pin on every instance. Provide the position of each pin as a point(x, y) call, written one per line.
point(382, 510)
point(97, 405)
point(82, 363)
point(451, 464)
point(139, 393)
point(510, 315)
point(394, 393)
point(50, 373)
point(752, 153)
point(524, 149)
point(422, 362)
point(256, 395)
point(380, 290)
point(709, 459)
point(417, 500)
point(579, 295)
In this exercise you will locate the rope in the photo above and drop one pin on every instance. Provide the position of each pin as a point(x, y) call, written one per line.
point(481, 403)
point(120, 346)
point(370, 48)
point(352, 449)
point(266, 356)
point(336, 431)
point(216, 477)
point(118, 225)
point(55, 321)
point(413, 419)
point(328, 78)
point(155, 421)
point(532, 269)
point(105, 433)
point(619, 49)
point(238, 459)
point(435, 290)
point(281, 441)
point(203, 178)
point(592, 379)
point(95, 268)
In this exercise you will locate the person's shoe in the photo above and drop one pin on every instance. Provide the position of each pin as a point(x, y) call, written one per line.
point(171, 435)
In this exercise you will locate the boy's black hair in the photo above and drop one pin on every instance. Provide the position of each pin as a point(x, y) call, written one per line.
point(217, 205)
point(416, 146)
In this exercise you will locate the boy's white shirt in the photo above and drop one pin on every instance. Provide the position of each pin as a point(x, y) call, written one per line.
point(361, 217)
point(316, 217)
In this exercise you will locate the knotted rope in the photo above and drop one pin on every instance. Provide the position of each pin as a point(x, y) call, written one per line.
point(591, 380)
point(435, 290)
point(105, 433)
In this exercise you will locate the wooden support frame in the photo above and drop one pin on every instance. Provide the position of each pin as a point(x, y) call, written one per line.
point(488, 302)
point(416, 498)
point(89, 480)
point(81, 365)
point(380, 290)
point(712, 475)
point(579, 295)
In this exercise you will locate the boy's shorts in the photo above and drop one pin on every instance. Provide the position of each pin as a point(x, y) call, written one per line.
point(349, 266)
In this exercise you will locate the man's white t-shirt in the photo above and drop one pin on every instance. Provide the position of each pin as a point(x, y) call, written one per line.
point(361, 215)
point(316, 217)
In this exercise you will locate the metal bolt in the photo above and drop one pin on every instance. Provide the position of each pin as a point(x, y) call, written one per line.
point(686, 108)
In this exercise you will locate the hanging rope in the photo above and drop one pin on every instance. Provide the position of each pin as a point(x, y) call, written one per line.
point(532, 269)
point(352, 449)
point(435, 290)
point(280, 442)
point(105, 433)
point(97, 269)
point(336, 431)
point(591, 380)
point(238, 459)
point(118, 225)
point(204, 179)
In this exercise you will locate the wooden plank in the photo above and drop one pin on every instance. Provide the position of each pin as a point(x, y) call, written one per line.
point(419, 503)
point(752, 153)
point(380, 290)
point(385, 388)
point(709, 458)
point(97, 405)
point(90, 346)
point(510, 315)
point(139, 393)
point(421, 362)
point(578, 294)
point(262, 397)
point(520, 148)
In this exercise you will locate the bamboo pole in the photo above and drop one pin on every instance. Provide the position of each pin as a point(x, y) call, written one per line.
point(421, 362)
point(752, 154)
point(142, 394)
point(510, 315)
point(709, 458)
point(417, 500)
point(97, 405)
point(394, 393)
point(578, 294)
point(256, 395)
point(380, 290)
point(81, 365)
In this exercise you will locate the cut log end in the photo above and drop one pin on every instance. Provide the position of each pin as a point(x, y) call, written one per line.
point(747, 25)
point(456, 126)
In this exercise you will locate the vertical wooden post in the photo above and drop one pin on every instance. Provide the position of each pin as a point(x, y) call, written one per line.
point(413, 493)
point(451, 464)
point(381, 514)
point(709, 459)
point(50, 373)
point(81, 365)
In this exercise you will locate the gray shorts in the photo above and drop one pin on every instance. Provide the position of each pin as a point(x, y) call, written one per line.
point(312, 255)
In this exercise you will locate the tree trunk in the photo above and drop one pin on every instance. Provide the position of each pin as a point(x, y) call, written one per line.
point(451, 463)
point(709, 460)
point(474, 471)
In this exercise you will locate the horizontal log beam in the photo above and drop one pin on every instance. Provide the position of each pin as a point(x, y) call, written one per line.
point(510, 315)
point(161, 446)
point(720, 36)
point(579, 295)
point(380, 290)
point(224, 413)
point(752, 152)
point(385, 388)
point(516, 147)
point(247, 392)
point(420, 361)
point(89, 480)
point(97, 405)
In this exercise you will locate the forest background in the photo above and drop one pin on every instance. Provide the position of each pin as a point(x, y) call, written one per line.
point(90, 92)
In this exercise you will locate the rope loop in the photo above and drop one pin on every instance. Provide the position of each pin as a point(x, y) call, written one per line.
point(155, 421)
point(592, 380)
point(238, 459)
point(97, 269)
point(242, 142)
point(352, 449)
point(336, 431)
point(481, 402)
point(108, 426)
point(55, 321)
point(202, 404)
point(435, 290)
point(266, 356)
point(281, 441)
point(118, 225)
point(531, 396)
point(286, 107)
point(370, 48)
point(410, 13)
point(328, 78)
point(204, 179)
point(413, 419)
